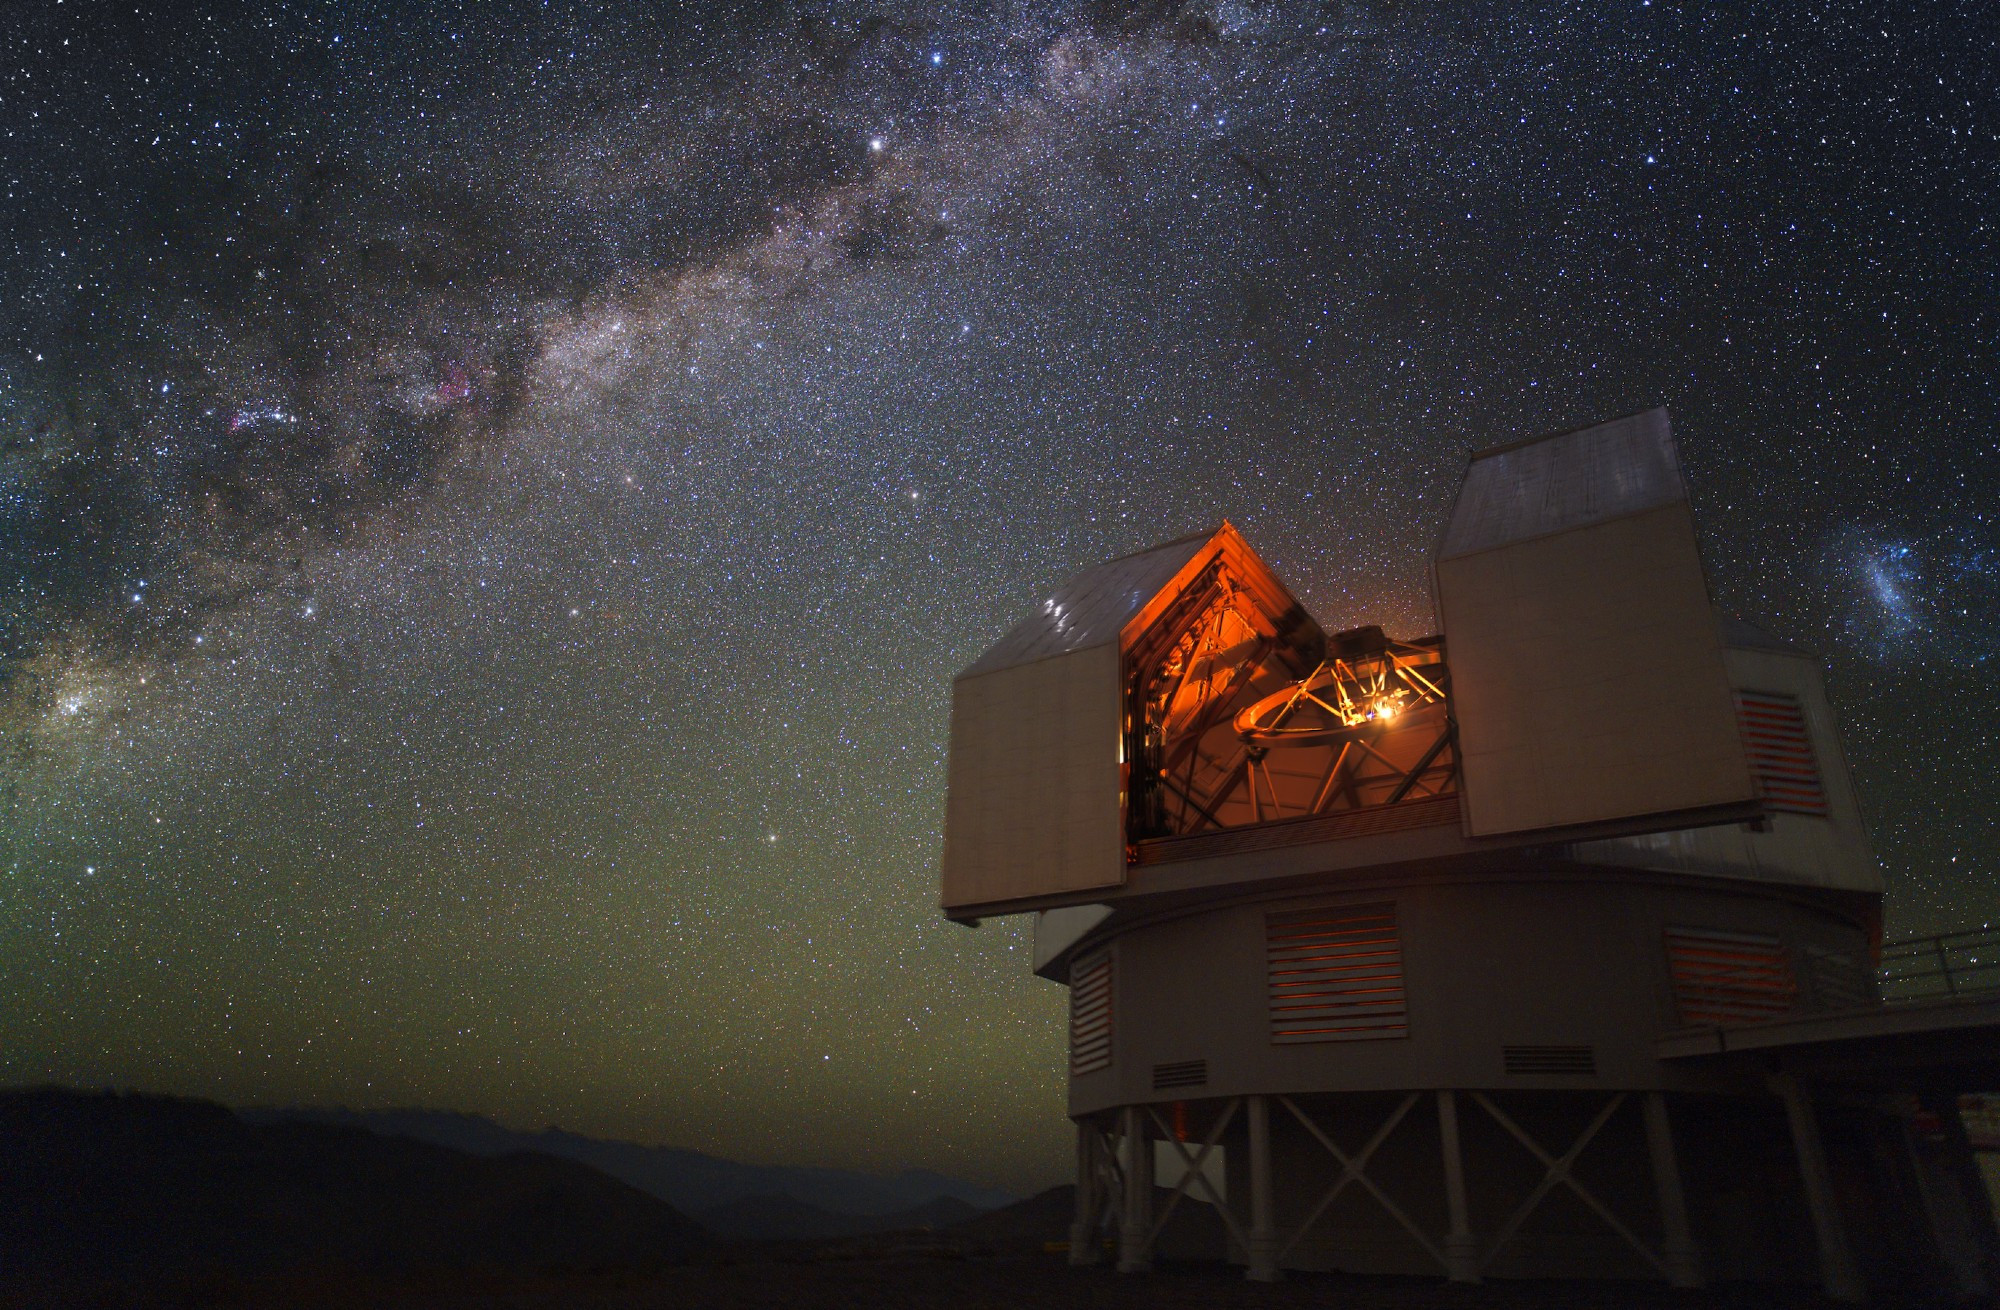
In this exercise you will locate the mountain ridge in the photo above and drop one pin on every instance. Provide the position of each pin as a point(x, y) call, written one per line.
point(782, 1218)
point(691, 1181)
point(110, 1184)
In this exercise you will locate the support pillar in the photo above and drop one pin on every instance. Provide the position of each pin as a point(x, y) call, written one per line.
point(1263, 1241)
point(1461, 1248)
point(1677, 1249)
point(1135, 1232)
point(1839, 1277)
point(1971, 1185)
point(1960, 1217)
point(1083, 1248)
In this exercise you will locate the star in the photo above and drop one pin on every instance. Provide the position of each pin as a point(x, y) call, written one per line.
point(422, 331)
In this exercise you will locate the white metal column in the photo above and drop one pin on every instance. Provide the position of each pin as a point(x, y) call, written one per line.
point(1837, 1272)
point(1135, 1231)
point(1461, 1248)
point(1263, 1241)
point(1677, 1247)
point(1950, 1222)
point(1089, 1195)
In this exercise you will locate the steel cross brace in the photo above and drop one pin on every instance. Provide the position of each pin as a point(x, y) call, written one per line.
point(1558, 1171)
point(1193, 1173)
point(1353, 1169)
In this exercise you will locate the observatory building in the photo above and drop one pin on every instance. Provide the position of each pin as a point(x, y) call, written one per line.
point(1547, 945)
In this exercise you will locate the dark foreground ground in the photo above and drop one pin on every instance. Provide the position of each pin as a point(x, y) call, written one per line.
point(112, 1202)
point(803, 1280)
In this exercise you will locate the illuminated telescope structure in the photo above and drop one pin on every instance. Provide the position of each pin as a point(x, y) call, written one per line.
point(1543, 946)
point(1357, 696)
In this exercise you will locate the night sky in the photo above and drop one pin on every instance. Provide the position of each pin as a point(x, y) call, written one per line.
point(492, 496)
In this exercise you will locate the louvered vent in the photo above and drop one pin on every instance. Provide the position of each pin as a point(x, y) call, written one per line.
point(1090, 1015)
point(1839, 981)
point(1729, 977)
point(1550, 1059)
point(1182, 1073)
point(1781, 753)
point(1335, 974)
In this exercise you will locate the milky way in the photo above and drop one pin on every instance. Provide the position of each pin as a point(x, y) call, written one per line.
point(493, 497)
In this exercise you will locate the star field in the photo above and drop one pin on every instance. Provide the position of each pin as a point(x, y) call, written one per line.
point(492, 496)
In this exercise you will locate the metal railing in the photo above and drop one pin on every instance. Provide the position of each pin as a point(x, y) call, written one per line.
point(1947, 964)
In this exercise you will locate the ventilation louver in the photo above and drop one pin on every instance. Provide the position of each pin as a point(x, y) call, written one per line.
point(1781, 753)
point(1090, 1015)
point(1335, 974)
point(1550, 1059)
point(1182, 1073)
point(1729, 977)
point(1839, 981)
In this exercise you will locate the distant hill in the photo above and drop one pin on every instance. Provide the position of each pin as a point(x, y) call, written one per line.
point(785, 1218)
point(1195, 1232)
point(111, 1186)
point(688, 1180)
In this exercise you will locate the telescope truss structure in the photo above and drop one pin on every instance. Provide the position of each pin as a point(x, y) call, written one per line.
point(1233, 731)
